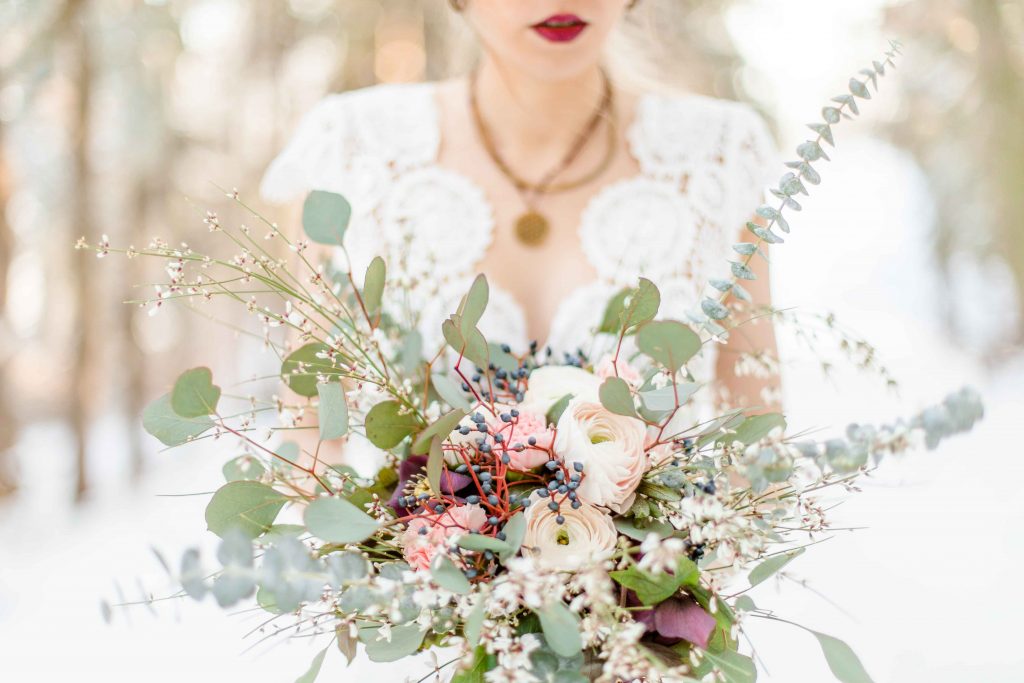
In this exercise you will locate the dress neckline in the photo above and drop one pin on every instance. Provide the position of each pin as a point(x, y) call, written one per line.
point(632, 129)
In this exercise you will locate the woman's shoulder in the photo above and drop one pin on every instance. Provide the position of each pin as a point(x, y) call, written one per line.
point(391, 123)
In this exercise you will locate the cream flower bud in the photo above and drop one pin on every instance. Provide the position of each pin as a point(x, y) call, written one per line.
point(611, 449)
point(587, 534)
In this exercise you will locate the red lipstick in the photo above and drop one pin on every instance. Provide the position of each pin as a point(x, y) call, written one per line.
point(560, 28)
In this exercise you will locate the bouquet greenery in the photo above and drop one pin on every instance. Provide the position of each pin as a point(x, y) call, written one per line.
point(552, 521)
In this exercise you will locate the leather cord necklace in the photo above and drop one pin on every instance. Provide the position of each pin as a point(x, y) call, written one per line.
point(532, 227)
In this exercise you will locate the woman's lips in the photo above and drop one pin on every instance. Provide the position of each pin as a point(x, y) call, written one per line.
point(560, 28)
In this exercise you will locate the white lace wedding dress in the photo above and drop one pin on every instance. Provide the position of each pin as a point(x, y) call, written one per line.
point(703, 165)
point(703, 162)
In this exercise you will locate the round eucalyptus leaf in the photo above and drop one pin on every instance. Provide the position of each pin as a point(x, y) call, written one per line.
point(480, 543)
point(160, 420)
point(302, 367)
point(325, 216)
point(842, 660)
point(405, 640)
point(195, 394)
point(336, 520)
point(448, 576)
point(243, 468)
point(388, 423)
point(561, 629)
point(332, 412)
point(668, 342)
point(373, 285)
point(245, 505)
point(616, 397)
point(474, 304)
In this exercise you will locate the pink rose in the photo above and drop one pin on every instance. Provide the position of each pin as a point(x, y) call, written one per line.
point(420, 549)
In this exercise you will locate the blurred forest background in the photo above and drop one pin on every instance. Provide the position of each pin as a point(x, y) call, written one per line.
point(118, 116)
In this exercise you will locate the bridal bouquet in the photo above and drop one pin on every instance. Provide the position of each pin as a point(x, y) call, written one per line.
point(546, 521)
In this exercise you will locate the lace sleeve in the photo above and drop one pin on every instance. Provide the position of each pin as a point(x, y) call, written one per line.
point(313, 156)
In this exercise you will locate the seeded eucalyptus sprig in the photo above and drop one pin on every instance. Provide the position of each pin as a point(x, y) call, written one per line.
point(792, 184)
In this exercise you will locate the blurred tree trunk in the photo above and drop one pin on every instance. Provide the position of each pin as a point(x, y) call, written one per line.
point(80, 222)
point(8, 426)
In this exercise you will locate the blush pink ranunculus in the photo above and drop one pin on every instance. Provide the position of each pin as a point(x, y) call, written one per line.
point(420, 549)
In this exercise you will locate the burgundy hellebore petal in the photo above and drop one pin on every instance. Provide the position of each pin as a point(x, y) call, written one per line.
point(684, 618)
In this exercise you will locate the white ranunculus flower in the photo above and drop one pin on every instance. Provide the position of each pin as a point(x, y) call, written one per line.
point(586, 534)
point(611, 449)
point(550, 383)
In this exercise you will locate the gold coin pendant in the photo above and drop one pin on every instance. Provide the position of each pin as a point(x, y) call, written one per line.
point(532, 228)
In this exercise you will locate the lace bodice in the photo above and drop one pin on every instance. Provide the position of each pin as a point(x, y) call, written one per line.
point(703, 165)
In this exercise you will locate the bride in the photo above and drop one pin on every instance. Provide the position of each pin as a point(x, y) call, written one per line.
point(559, 182)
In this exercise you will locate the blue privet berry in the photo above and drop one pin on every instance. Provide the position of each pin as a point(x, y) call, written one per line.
point(462, 469)
point(482, 427)
point(515, 412)
point(552, 505)
point(485, 448)
point(470, 573)
point(532, 441)
point(472, 500)
point(476, 468)
point(563, 489)
point(513, 499)
point(560, 519)
point(578, 466)
point(519, 448)
point(465, 387)
point(527, 502)
point(423, 496)
point(520, 396)
point(573, 485)
point(576, 505)
point(505, 458)
point(505, 417)
point(500, 536)
point(488, 555)
point(464, 429)
point(500, 438)
point(485, 476)
point(439, 509)
point(543, 493)
point(493, 500)
point(559, 475)
point(492, 520)
point(486, 487)
point(477, 417)
point(552, 485)
point(501, 374)
point(506, 348)
point(572, 494)
point(476, 378)
point(422, 531)
point(574, 477)
point(551, 464)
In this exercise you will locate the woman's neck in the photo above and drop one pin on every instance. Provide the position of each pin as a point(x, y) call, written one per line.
point(532, 116)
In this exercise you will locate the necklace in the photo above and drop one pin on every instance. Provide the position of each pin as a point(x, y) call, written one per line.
point(532, 227)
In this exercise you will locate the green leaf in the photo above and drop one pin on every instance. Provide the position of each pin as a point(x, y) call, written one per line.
point(373, 285)
point(756, 427)
point(300, 369)
point(405, 640)
point(842, 660)
point(629, 527)
point(859, 89)
point(480, 543)
point(611, 322)
point(314, 668)
point(336, 520)
point(687, 572)
point(475, 673)
point(769, 567)
point(714, 309)
point(556, 410)
point(435, 465)
point(659, 492)
point(736, 668)
point(471, 343)
point(641, 305)
point(195, 394)
point(561, 629)
point(515, 532)
point(474, 624)
point(388, 423)
point(441, 428)
point(741, 271)
point(745, 603)
point(650, 588)
point(332, 411)
point(450, 392)
point(160, 420)
point(616, 397)
point(473, 305)
point(448, 576)
point(668, 342)
point(325, 217)
point(243, 468)
point(246, 505)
